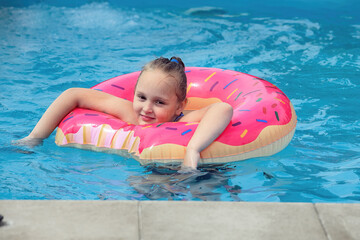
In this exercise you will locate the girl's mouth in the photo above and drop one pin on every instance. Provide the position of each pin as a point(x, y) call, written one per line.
point(146, 118)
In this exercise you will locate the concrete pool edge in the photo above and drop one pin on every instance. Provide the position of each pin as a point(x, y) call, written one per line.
point(73, 219)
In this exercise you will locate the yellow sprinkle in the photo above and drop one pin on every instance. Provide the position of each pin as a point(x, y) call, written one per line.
point(280, 100)
point(209, 77)
point(188, 88)
point(244, 133)
point(147, 126)
point(191, 123)
point(231, 93)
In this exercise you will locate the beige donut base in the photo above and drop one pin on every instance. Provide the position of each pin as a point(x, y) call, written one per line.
point(271, 140)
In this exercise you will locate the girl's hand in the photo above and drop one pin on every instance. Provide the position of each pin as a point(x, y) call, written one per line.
point(82, 98)
point(218, 116)
point(28, 141)
point(191, 159)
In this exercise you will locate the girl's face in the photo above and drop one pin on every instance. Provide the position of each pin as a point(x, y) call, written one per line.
point(155, 98)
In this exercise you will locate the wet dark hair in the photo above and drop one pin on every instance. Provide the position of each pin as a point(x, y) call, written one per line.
point(173, 66)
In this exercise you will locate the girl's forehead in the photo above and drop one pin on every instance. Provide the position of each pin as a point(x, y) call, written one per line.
point(156, 78)
point(156, 83)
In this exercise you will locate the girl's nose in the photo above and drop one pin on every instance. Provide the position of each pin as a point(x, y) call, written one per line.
point(147, 107)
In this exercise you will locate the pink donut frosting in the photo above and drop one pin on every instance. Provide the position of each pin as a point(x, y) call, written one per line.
point(263, 122)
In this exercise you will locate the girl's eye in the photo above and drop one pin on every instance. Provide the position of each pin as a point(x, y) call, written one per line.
point(141, 97)
point(160, 102)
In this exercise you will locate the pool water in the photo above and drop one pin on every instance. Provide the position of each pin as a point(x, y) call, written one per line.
point(309, 50)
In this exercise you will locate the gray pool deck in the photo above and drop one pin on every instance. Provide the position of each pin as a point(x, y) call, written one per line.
point(45, 219)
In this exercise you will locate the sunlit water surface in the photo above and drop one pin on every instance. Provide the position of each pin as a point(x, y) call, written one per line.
point(313, 58)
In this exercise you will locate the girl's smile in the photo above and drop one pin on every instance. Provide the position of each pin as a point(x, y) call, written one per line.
point(155, 98)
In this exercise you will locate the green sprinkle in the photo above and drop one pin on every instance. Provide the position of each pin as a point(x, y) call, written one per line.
point(277, 115)
point(160, 124)
point(238, 96)
point(259, 100)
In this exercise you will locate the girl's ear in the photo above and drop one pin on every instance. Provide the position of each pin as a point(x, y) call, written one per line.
point(181, 107)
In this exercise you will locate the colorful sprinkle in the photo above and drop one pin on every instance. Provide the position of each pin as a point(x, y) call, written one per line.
point(281, 93)
point(191, 123)
point(230, 83)
point(170, 128)
point(261, 120)
point(255, 84)
point(236, 124)
point(231, 93)
point(271, 87)
point(280, 100)
point(160, 124)
point(259, 94)
point(259, 99)
point(97, 89)
point(147, 126)
point(244, 133)
point(185, 132)
point(277, 115)
point(212, 87)
point(113, 85)
point(188, 88)
point(68, 119)
point(264, 110)
point(207, 79)
point(187, 71)
point(251, 92)
point(238, 96)
point(244, 110)
point(274, 105)
point(91, 114)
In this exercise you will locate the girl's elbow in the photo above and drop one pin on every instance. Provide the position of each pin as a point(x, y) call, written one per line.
point(227, 109)
point(72, 91)
point(72, 96)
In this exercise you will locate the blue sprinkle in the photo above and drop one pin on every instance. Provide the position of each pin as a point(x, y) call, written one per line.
point(68, 119)
point(261, 120)
point(98, 89)
point(244, 110)
point(230, 83)
point(187, 71)
point(185, 132)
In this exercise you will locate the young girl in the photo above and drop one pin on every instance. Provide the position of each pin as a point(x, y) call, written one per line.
point(160, 96)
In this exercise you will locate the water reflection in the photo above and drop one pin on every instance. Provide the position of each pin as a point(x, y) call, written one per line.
point(166, 183)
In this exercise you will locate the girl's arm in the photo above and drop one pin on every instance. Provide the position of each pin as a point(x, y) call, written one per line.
point(83, 98)
point(213, 120)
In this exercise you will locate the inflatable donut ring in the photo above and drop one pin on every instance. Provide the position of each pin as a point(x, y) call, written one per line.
point(263, 122)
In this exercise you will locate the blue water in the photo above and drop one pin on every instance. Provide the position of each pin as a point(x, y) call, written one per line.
point(311, 50)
